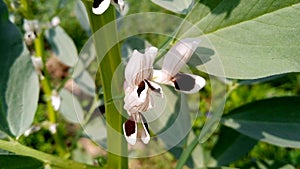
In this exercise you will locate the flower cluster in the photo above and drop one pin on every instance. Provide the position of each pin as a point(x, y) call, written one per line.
point(141, 82)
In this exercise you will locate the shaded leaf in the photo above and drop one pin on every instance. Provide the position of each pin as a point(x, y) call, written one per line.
point(70, 107)
point(275, 120)
point(62, 45)
point(231, 146)
point(19, 162)
point(19, 87)
point(251, 39)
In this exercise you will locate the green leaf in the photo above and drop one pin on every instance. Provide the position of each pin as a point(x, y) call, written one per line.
point(19, 162)
point(275, 121)
point(170, 117)
point(82, 16)
point(96, 128)
point(231, 142)
point(19, 87)
point(86, 83)
point(251, 39)
point(177, 6)
point(70, 107)
point(191, 154)
point(62, 45)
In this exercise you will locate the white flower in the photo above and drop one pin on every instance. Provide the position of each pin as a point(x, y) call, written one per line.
point(37, 63)
point(176, 57)
point(138, 74)
point(100, 6)
point(55, 100)
point(138, 84)
point(52, 128)
point(29, 37)
point(31, 26)
point(55, 21)
point(31, 130)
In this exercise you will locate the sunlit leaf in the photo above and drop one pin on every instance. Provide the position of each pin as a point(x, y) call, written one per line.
point(62, 45)
point(177, 6)
point(251, 39)
point(19, 162)
point(275, 120)
point(19, 87)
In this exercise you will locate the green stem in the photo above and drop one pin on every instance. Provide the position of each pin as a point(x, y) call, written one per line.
point(39, 49)
point(26, 9)
point(19, 149)
point(116, 144)
point(190, 148)
point(186, 153)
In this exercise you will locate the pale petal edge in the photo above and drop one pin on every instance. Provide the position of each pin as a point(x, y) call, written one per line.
point(102, 7)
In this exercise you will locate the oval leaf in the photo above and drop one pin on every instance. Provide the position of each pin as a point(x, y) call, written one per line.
point(19, 162)
point(252, 39)
point(276, 121)
point(82, 17)
point(19, 87)
point(70, 107)
point(62, 45)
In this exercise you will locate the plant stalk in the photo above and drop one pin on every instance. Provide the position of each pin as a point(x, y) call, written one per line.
point(58, 162)
point(39, 49)
point(116, 144)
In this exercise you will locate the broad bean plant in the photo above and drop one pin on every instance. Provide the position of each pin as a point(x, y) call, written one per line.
point(106, 83)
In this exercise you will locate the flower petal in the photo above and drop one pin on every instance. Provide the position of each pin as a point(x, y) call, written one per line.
point(140, 66)
point(145, 134)
point(100, 6)
point(135, 97)
point(155, 88)
point(177, 56)
point(130, 130)
point(188, 83)
point(119, 3)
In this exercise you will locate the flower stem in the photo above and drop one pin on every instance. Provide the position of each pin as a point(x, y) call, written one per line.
point(116, 144)
point(26, 9)
point(58, 162)
point(39, 49)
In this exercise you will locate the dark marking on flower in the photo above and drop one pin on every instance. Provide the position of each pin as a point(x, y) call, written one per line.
point(116, 1)
point(183, 82)
point(141, 87)
point(97, 3)
point(152, 88)
point(145, 123)
point(129, 127)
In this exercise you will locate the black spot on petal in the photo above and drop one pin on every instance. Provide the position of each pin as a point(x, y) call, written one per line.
point(97, 3)
point(153, 88)
point(116, 1)
point(144, 121)
point(183, 82)
point(141, 87)
point(129, 127)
